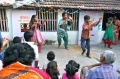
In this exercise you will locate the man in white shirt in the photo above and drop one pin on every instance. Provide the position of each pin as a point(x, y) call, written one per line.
point(29, 38)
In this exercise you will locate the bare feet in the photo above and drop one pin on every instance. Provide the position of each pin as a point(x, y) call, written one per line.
point(58, 47)
point(67, 48)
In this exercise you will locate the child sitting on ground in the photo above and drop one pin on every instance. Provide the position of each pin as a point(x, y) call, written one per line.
point(52, 70)
point(71, 68)
point(50, 57)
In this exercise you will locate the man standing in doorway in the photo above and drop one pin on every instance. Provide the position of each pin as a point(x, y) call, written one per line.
point(64, 25)
point(85, 36)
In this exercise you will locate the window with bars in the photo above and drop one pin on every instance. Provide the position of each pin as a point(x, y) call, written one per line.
point(3, 21)
point(51, 17)
point(52, 21)
point(75, 17)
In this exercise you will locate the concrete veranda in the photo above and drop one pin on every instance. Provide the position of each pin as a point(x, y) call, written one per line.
point(74, 53)
point(63, 56)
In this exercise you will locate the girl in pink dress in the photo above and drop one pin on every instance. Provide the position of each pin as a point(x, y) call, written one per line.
point(71, 69)
point(34, 26)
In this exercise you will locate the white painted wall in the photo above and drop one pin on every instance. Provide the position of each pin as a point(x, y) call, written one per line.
point(73, 35)
point(16, 17)
point(100, 36)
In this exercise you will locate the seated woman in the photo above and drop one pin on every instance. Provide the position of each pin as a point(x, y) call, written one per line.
point(71, 69)
point(17, 63)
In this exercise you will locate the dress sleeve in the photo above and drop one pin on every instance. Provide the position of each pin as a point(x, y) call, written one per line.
point(41, 24)
point(106, 24)
point(30, 23)
point(64, 76)
point(76, 76)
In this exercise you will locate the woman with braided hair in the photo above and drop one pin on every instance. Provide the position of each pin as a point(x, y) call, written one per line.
point(34, 26)
point(71, 68)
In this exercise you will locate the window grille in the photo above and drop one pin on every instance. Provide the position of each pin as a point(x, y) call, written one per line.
point(52, 20)
point(51, 17)
point(3, 21)
point(75, 17)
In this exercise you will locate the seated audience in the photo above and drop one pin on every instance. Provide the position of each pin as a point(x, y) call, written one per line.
point(52, 70)
point(29, 38)
point(17, 63)
point(1, 50)
point(105, 70)
point(16, 40)
point(71, 69)
point(50, 57)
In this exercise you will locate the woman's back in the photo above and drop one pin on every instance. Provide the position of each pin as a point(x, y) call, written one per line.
point(18, 71)
point(71, 68)
point(64, 76)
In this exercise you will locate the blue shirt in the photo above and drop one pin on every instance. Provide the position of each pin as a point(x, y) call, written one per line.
point(105, 71)
point(1, 55)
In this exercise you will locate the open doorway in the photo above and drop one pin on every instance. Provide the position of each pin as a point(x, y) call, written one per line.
point(105, 19)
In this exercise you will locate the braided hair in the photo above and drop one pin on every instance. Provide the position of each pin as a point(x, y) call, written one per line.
point(71, 68)
point(52, 69)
